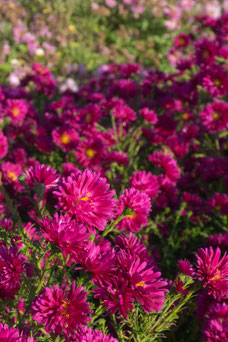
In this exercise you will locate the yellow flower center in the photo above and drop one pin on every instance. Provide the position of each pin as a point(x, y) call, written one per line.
point(15, 111)
point(181, 41)
point(141, 283)
point(217, 83)
point(90, 153)
point(87, 118)
point(205, 54)
point(218, 207)
point(65, 307)
point(86, 198)
point(185, 116)
point(217, 276)
point(215, 116)
point(65, 139)
point(12, 176)
point(131, 215)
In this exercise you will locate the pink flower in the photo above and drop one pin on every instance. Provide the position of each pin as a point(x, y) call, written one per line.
point(205, 51)
point(182, 41)
point(60, 310)
point(65, 233)
point(219, 203)
point(11, 269)
point(147, 286)
point(215, 117)
point(168, 165)
point(65, 138)
point(179, 286)
point(87, 197)
point(149, 115)
point(145, 182)
point(213, 271)
point(89, 153)
point(3, 145)
point(85, 334)
point(215, 81)
point(186, 267)
point(10, 173)
point(139, 203)
point(17, 110)
point(116, 295)
point(9, 334)
point(41, 174)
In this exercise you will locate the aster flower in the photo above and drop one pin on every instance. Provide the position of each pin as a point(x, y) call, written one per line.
point(219, 203)
point(179, 286)
point(12, 265)
point(10, 173)
point(89, 153)
point(65, 233)
point(213, 271)
point(3, 145)
point(116, 296)
point(139, 203)
point(98, 261)
point(60, 310)
point(215, 117)
point(123, 112)
point(186, 267)
point(88, 198)
point(41, 174)
point(148, 288)
point(182, 41)
point(215, 81)
point(149, 115)
point(8, 334)
point(65, 138)
point(43, 79)
point(145, 182)
point(166, 163)
point(17, 110)
point(86, 334)
point(205, 51)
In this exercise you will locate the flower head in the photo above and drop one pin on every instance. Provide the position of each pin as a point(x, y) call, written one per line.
point(213, 271)
point(86, 196)
point(60, 310)
point(139, 203)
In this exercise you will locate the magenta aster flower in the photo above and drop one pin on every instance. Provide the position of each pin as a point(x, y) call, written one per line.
point(149, 115)
point(215, 81)
point(11, 269)
point(213, 271)
point(85, 334)
point(10, 173)
point(3, 145)
point(97, 261)
point(65, 233)
point(88, 198)
point(116, 295)
point(139, 203)
point(43, 79)
point(215, 117)
point(17, 110)
point(42, 174)
point(205, 51)
point(186, 267)
point(147, 285)
point(61, 311)
point(89, 153)
point(65, 138)
point(182, 41)
point(219, 203)
point(9, 334)
point(167, 164)
point(145, 182)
